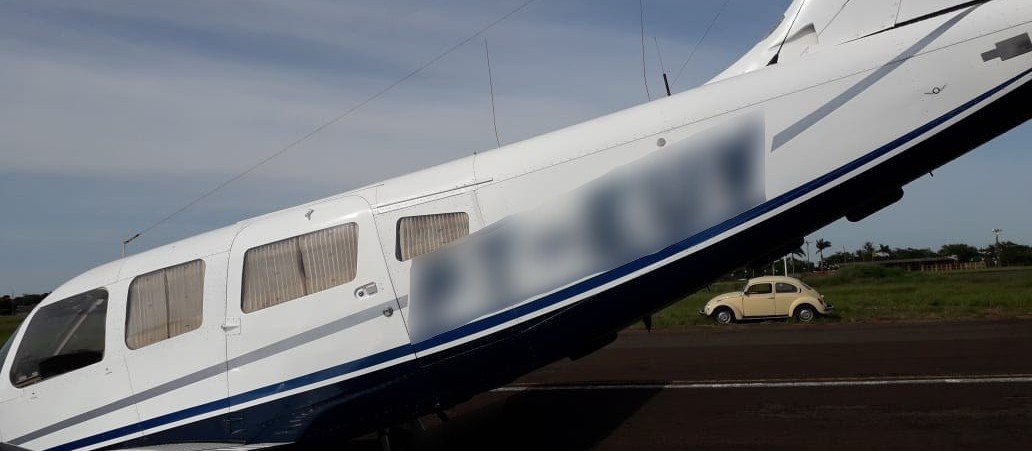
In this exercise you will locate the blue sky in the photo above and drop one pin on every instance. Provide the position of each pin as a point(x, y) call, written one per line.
point(115, 114)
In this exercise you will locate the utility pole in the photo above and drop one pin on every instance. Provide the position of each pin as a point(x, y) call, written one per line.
point(997, 233)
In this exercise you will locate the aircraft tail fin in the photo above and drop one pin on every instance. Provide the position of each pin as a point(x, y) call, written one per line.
point(813, 25)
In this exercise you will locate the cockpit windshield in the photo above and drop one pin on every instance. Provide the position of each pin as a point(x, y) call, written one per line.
point(61, 337)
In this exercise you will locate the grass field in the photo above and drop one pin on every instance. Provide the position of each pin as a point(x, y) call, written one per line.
point(8, 324)
point(867, 294)
point(876, 294)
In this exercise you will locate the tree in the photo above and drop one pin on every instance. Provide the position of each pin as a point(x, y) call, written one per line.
point(912, 253)
point(867, 251)
point(839, 258)
point(1012, 254)
point(965, 253)
point(885, 251)
point(822, 244)
point(797, 257)
point(6, 305)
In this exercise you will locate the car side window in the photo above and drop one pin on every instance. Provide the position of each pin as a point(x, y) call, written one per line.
point(783, 287)
point(760, 288)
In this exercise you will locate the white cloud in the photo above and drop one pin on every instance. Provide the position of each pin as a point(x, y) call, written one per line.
point(118, 100)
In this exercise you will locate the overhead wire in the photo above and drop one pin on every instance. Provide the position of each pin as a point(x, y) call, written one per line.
point(644, 66)
point(338, 118)
point(701, 39)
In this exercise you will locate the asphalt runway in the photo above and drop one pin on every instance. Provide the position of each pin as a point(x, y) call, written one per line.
point(767, 386)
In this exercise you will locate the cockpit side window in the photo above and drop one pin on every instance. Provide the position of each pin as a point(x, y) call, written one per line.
point(62, 337)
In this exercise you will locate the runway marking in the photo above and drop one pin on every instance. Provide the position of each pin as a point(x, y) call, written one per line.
point(805, 383)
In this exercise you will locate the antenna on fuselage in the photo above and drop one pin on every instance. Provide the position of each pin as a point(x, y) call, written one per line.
point(130, 240)
point(490, 81)
point(662, 66)
point(788, 33)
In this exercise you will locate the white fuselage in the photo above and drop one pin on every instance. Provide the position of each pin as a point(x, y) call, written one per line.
point(854, 87)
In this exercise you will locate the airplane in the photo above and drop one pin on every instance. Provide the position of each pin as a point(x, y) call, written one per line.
point(350, 314)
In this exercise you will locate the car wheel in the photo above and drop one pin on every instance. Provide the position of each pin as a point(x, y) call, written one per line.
point(805, 313)
point(724, 316)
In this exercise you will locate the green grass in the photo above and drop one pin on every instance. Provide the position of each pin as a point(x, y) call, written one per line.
point(7, 326)
point(864, 294)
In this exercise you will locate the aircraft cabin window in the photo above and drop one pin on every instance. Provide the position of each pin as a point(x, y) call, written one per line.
point(164, 303)
point(786, 288)
point(288, 269)
point(62, 337)
point(418, 235)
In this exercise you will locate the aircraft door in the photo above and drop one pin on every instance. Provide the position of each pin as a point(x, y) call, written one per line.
point(310, 307)
point(759, 300)
point(174, 314)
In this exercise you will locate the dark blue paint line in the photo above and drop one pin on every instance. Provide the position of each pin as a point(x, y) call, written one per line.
point(544, 302)
point(269, 390)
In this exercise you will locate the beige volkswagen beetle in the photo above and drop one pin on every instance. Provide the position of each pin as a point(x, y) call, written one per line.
point(768, 297)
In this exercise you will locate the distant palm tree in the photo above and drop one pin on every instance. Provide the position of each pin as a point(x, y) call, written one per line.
point(822, 244)
point(800, 253)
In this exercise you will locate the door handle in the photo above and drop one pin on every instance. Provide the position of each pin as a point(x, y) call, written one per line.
point(231, 326)
point(366, 290)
